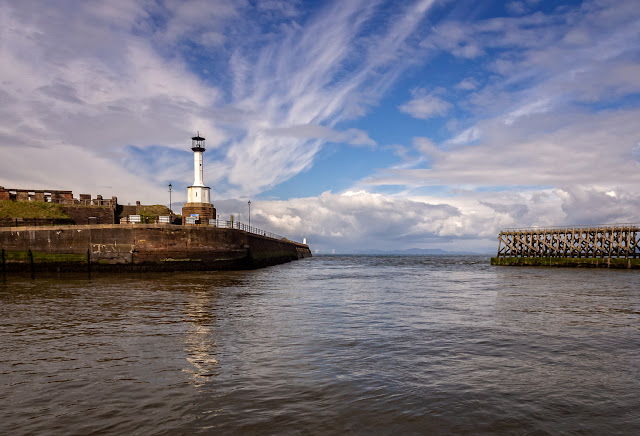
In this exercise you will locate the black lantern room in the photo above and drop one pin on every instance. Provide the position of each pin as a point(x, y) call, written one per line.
point(197, 143)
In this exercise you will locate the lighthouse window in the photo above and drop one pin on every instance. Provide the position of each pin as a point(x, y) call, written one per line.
point(196, 194)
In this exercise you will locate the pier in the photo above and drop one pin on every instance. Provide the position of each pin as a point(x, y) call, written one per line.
point(611, 245)
point(143, 247)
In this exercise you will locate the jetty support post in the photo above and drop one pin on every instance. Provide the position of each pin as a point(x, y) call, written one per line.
point(618, 241)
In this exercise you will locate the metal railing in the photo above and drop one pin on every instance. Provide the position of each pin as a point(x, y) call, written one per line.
point(244, 227)
point(565, 227)
point(137, 219)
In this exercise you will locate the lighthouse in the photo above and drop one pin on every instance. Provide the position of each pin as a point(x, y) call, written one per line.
point(198, 195)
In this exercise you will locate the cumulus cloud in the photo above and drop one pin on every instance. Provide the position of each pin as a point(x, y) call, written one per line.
point(355, 219)
point(463, 220)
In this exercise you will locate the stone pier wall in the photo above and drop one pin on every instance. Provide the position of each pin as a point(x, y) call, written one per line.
point(157, 247)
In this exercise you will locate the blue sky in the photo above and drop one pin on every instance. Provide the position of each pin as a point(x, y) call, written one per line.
point(355, 124)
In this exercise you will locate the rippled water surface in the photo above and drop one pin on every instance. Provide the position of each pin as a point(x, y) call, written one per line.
point(329, 345)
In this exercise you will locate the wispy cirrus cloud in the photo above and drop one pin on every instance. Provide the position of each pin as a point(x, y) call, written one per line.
point(115, 75)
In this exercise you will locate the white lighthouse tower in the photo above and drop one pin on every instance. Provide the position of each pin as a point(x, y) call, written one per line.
point(198, 193)
point(198, 196)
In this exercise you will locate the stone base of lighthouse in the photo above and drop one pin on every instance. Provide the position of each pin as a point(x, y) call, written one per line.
point(205, 211)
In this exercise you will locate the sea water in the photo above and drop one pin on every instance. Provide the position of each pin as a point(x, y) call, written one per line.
point(327, 345)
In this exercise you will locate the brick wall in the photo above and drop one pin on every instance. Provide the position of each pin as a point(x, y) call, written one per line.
point(86, 214)
point(205, 211)
point(4, 194)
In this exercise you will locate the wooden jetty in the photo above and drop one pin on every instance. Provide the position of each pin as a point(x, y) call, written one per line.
point(613, 245)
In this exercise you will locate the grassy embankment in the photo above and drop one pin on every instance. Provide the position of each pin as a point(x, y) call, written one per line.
point(39, 209)
point(31, 209)
point(153, 212)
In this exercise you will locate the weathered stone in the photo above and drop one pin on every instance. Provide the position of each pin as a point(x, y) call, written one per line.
point(205, 211)
point(149, 247)
point(80, 214)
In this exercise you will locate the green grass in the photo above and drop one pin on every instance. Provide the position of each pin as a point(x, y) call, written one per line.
point(154, 211)
point(30, 209)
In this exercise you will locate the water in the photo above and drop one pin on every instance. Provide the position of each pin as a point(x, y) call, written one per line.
point(329, 345)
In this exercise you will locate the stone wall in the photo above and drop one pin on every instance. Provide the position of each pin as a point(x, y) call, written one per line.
point(26, 222)
point(149, 247)
point(90, 214)
point(205, 211)
point(55, 196)
point(125, 211)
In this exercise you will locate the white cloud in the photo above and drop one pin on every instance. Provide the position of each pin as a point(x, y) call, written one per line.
point(425, 105)
point(552, 150)
point(357, 219)
point(314, 131)
point(112, 76)
point(455, 38)
point(572, 55)
point(516, 7)
point(468, 84)
point(467, 136)
point(531, 154)
point(534, 107)
point(465, 220)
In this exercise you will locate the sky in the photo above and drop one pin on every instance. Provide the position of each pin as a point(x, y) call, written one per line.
point(368, 124)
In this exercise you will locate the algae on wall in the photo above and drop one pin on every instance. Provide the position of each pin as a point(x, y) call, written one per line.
point(574, 262)
point(26, 256)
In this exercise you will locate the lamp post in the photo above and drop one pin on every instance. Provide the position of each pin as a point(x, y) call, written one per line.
point(171, 211)
point(249, 212)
